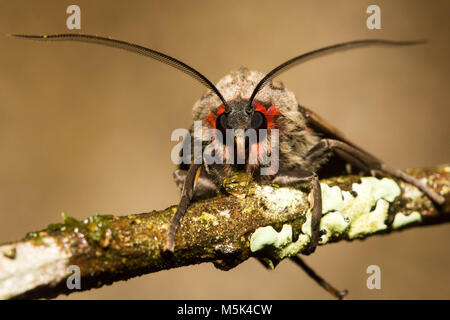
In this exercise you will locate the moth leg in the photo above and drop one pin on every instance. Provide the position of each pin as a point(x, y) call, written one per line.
point(204, 188)
point(299, 175)
point(369, 163)
point(186, 195)
point(433, 195)
point(340, 294)
point(289, 177)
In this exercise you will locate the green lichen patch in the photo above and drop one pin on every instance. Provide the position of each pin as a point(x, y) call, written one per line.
point(268, 236)
point(332, 198)
point(280, 201)
point(352, 215)
point(368, 222)
point(306, 227)
point(360, 215)
point(401, 220)
point(333, 224)
point(277, 245)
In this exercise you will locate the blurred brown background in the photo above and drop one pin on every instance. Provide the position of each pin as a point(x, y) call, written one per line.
point(86, 129)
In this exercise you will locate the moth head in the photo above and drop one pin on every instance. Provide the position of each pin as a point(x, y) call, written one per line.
point(241, 115)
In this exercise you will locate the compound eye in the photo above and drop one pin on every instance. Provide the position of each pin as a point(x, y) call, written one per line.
point(221, 122)
point(258, 121)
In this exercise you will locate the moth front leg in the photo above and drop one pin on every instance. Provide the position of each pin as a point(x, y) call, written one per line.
point(290, 177)
point(204, 188)
point(186, 195)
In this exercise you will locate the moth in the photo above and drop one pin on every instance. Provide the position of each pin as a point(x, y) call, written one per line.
point(308, 146)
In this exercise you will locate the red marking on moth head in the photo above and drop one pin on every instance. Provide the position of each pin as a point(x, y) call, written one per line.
point(270, 114)
point(212, 116)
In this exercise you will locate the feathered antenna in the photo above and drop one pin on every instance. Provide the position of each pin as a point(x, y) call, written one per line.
point(322, 51)
point(132, 48)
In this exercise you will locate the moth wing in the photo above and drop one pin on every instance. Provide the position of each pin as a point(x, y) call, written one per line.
point(320, 126)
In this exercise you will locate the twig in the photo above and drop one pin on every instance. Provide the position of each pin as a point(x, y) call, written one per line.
point(249, 220)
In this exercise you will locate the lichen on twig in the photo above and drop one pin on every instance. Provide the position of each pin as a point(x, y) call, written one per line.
point(249, 220)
